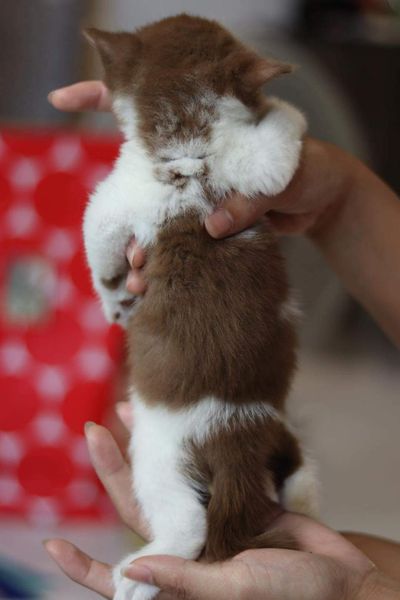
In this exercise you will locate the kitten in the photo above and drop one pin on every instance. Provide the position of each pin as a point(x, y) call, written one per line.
point(212, 343)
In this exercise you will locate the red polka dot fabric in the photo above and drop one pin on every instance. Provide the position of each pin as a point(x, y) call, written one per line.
point(59, 360)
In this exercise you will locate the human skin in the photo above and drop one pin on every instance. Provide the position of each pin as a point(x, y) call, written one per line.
point(328, 567)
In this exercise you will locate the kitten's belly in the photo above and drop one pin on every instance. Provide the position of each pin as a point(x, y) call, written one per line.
point(158, 455)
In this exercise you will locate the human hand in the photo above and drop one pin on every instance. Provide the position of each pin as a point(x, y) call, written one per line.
point(115, 474)
point(319, 183)
point(328, 567)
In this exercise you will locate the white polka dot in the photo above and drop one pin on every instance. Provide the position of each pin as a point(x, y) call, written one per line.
point(64, 293)
point(60, 245)
point(66, 154)
point(80, 452)
point(21, 220)
point(82, 493)
point(10, 491)
point(92, 317)
point(49, 428)
point(11, 448)
point(97, 174)
point(14, 357)
point(25, 174)
point(94, 363)
point(51, 383)
point(43, 511)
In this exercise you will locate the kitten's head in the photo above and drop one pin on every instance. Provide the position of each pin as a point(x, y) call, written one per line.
point(166, 78)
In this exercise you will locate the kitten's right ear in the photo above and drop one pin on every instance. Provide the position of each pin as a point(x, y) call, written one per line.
point(113, 47)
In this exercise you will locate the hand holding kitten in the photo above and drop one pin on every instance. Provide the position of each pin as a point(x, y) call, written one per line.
point(255, 574)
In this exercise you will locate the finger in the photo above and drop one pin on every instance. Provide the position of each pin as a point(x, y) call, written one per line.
point(79, 567)
point(115, 474)
point(290, 224)
point(185, 578)
point(85, 95)
point(236, 214)
point(124, 412)
point(135, 255)
point(135, 282)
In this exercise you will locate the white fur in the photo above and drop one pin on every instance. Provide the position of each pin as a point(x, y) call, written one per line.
point(251, 157)
point(290, 310)
point(301, 493)
point(176, 517)
point(136, 198)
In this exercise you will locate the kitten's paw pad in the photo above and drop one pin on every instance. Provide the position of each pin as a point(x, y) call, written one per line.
point(124, 309)
point(131, 590)
point(119, 305)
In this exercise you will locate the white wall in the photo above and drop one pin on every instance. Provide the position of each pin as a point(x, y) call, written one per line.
point(129, 14)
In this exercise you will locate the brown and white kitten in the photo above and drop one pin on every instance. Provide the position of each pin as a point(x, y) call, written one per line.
point(212, 344)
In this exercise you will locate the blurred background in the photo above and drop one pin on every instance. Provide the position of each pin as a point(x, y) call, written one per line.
point(60, 364)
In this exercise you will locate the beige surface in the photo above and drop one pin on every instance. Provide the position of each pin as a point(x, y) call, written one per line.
point(350, 411)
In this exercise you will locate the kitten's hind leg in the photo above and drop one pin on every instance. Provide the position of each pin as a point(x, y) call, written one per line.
point(177, 520)
point(186, 541)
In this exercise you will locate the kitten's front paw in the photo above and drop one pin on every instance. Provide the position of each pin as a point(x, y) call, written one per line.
point(118, 303)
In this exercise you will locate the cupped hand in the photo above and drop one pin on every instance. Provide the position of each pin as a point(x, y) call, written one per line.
point(328, 567)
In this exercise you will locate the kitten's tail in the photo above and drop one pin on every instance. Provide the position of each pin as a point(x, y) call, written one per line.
point(236, 517)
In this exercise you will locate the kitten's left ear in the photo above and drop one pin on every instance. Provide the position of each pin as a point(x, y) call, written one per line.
point(252, 71)
point(262, 70)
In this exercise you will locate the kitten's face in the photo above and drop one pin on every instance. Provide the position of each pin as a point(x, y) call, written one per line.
point(167, 77)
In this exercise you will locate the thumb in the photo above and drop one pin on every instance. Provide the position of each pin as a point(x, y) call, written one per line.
point(237, 213)
point(184, 578)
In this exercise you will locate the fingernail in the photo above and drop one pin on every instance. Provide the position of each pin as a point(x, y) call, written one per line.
point(88, 425)
point(130, 254)
point(138, 573)
point(119, 409)
point(219, 223)
point(51, 96)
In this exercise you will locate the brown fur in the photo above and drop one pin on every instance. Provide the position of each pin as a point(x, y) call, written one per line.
point(210, 319)
point(235, 471)
point(209, 323)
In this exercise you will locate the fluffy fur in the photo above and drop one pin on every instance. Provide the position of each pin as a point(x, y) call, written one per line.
point(212, 342)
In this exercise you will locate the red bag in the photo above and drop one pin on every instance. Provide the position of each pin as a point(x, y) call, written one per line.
point(59, 359)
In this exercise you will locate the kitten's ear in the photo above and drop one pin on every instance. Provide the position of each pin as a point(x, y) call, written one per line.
point(261, 70)
point(112, 46)
point(252, 70)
